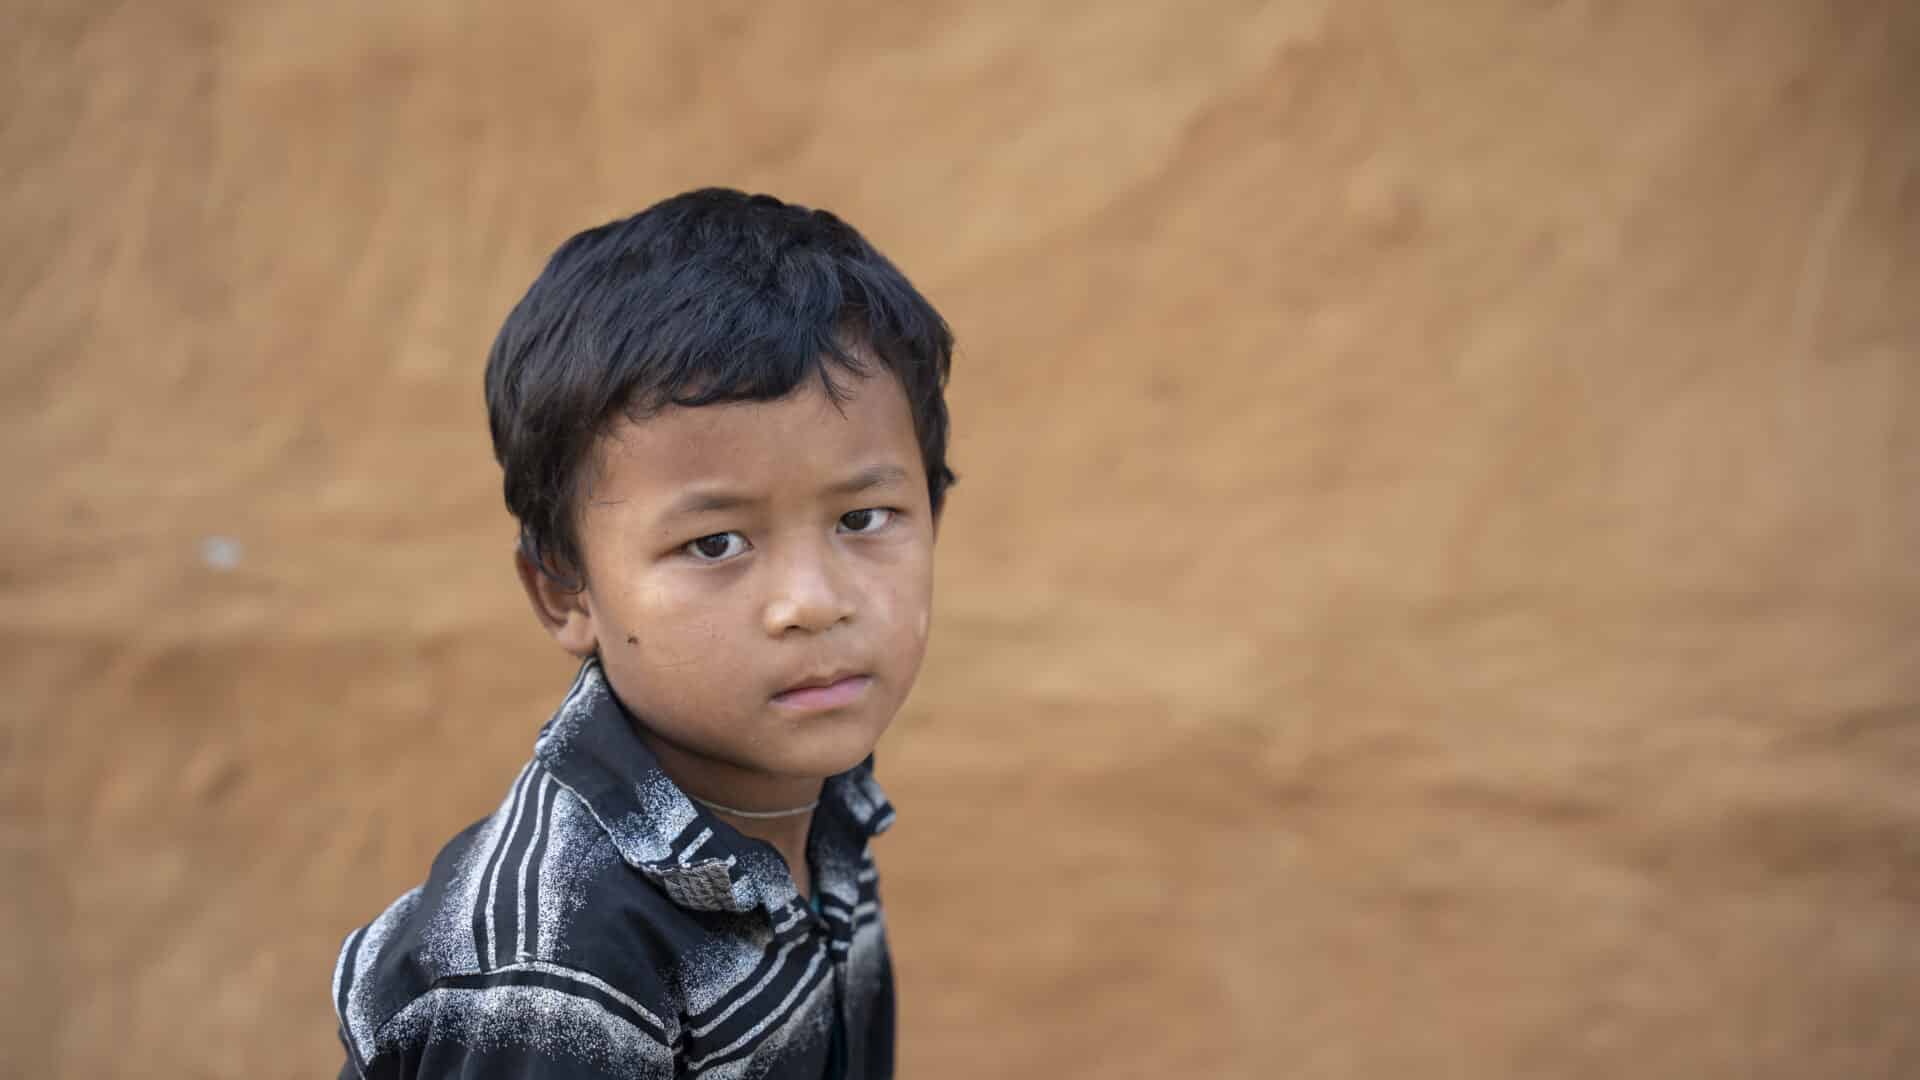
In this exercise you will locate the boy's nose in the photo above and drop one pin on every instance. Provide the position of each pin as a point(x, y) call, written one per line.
point(808, 596)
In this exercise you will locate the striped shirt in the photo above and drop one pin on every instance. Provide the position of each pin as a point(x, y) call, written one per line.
point(601, 924)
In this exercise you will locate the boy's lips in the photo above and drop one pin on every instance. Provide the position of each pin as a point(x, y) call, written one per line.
point(820, 695)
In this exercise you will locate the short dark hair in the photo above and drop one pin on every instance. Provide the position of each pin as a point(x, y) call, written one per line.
point(707, 297)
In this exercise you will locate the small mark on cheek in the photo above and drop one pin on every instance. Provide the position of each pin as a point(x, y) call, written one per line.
point(632, 640)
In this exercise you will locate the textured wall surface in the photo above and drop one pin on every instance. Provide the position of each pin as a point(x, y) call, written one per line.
point(1432, 590)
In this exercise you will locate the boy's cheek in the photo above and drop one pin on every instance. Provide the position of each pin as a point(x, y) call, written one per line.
point(684, 647)
point(660, 627)
point(656, 600)
point(903, 603)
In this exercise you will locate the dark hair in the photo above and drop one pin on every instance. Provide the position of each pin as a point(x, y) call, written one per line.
point(707, 297)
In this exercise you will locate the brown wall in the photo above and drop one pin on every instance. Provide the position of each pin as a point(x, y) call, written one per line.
point(1432, 590)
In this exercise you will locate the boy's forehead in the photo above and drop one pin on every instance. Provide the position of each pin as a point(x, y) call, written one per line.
point(748, 442)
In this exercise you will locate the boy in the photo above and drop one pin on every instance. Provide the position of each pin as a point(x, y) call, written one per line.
point(723, 428)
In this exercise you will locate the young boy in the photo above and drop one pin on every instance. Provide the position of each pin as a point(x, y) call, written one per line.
point(723, 427)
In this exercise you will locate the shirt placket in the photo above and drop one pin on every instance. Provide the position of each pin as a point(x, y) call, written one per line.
point(836, 936)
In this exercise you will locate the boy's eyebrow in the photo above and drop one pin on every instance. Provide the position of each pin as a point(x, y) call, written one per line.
point(708, 502)
point(713, 501)
point(866, 479)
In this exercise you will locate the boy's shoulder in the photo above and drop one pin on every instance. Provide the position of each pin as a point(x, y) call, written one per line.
point(528, 920)
point(588, 913)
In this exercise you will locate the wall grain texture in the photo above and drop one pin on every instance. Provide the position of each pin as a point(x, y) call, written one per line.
point(1431, 591)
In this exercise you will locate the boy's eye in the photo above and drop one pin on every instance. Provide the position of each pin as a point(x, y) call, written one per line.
point(872, 519)
point(717, 547)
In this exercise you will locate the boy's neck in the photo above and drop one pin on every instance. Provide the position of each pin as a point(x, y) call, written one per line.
point(731, 794)
point(787, 835)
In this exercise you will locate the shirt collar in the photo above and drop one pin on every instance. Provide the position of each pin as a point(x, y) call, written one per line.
point(700, 862)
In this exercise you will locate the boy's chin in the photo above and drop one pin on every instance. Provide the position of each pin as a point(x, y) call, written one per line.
point(818, 762)
point(818, 754)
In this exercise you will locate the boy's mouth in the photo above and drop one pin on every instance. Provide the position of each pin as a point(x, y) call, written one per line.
point(824, 693)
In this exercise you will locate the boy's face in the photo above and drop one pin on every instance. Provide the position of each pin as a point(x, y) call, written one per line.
point(760, 579)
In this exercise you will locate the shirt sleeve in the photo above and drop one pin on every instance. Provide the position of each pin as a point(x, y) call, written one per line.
point(531, 1022)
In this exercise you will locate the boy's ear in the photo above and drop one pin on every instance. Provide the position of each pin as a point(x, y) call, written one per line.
point(563, 609)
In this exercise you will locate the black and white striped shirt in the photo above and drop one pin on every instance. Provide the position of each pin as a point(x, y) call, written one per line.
point(600, 924)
